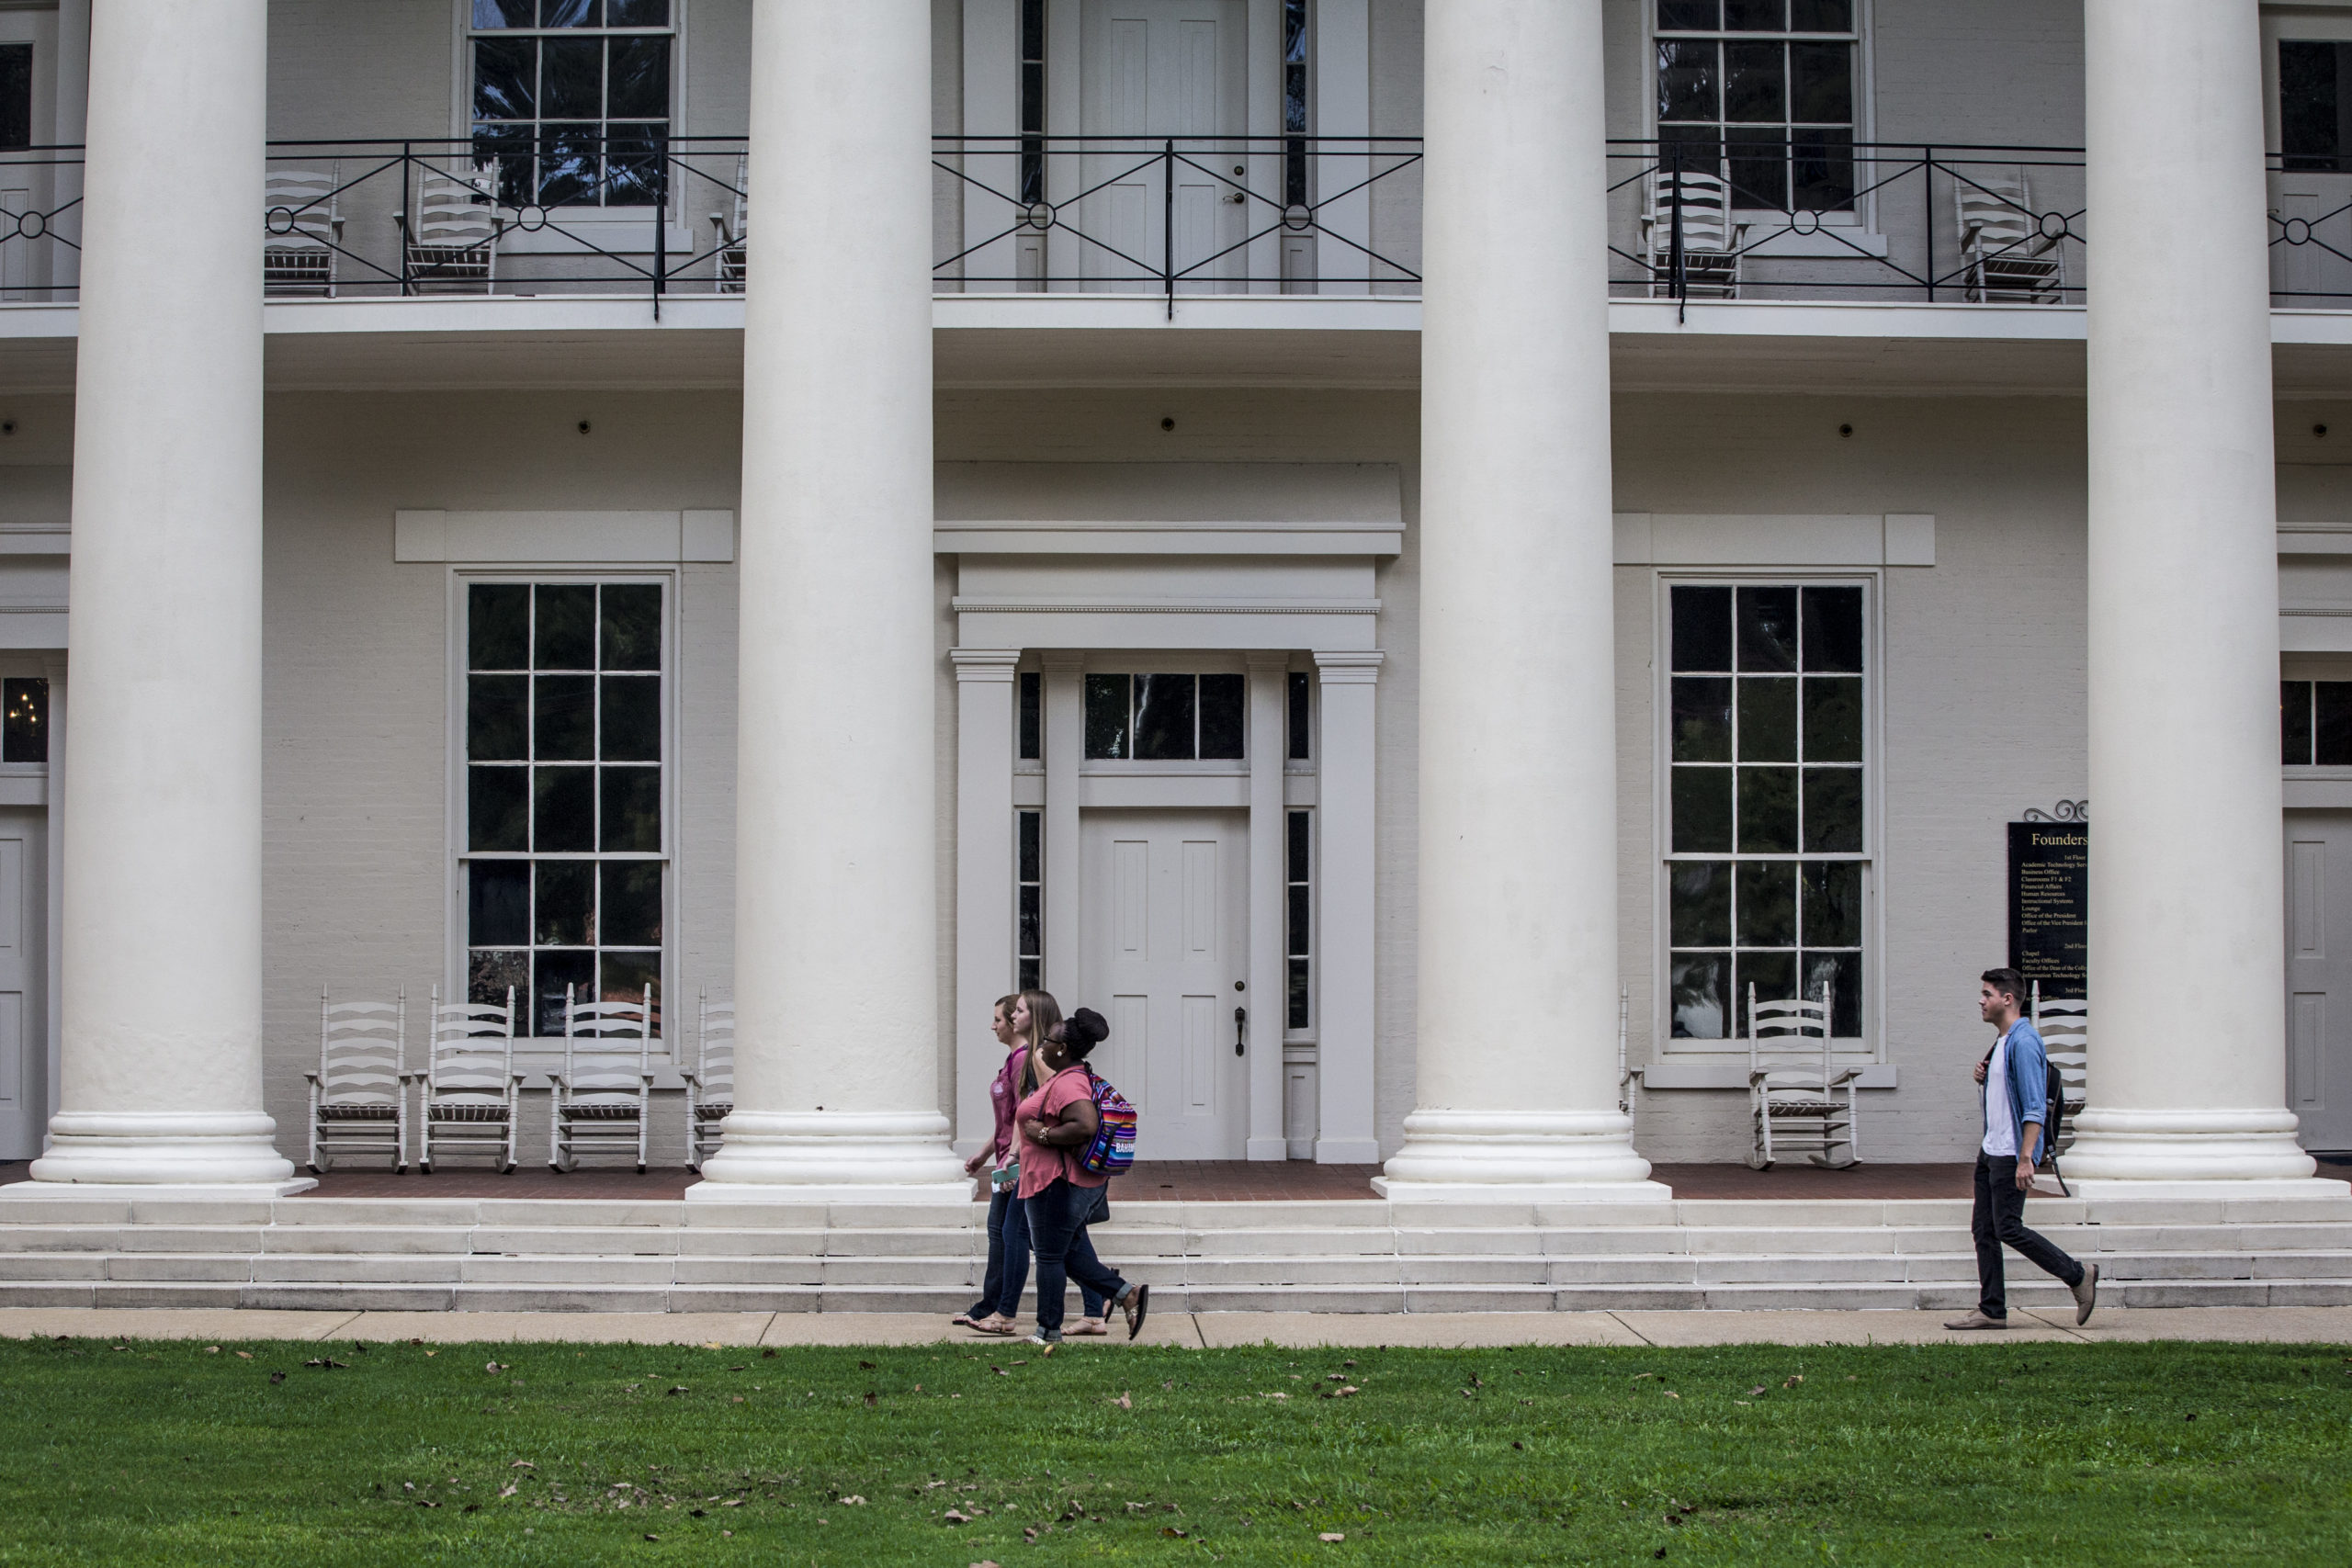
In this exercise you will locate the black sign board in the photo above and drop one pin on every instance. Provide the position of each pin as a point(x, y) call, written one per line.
point(2050, 895)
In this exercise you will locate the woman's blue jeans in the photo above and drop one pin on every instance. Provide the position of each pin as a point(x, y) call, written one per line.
point(1007, 1270)
point(1058, 1233)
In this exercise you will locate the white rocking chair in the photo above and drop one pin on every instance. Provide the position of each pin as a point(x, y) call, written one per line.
point(2064, 1025)
point(710, 1082)
point(2005, 256)
point(1711, 236)
point(1629, 1082)
point(471, 1089)
point(1792, 1085)
point(302, 230)
point(451, 244)
point(604, 1096)
point(727, 234)
point(359, 1095)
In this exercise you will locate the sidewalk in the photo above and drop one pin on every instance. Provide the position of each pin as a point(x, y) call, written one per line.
point(2331, 1326)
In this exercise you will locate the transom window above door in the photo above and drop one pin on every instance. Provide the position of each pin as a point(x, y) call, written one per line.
point(1766, 746)
point(564, 861)
point(1165, 718)
point(570, 99)
point(1761, 93)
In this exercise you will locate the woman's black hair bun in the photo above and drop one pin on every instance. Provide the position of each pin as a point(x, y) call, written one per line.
point(1086, 1025)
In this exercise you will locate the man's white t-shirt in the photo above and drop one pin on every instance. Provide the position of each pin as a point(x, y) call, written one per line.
point(2000, 1122)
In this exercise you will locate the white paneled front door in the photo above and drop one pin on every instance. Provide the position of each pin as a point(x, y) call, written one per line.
point(1166, 923)
point(1156, 70)
point(2319, 976)
point(24, 923)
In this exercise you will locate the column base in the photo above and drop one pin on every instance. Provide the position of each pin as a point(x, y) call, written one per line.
point(173, 1150)
point(1505, 1156)
point(1267, 1149)
point(833, 1157)
point(2204, 1146)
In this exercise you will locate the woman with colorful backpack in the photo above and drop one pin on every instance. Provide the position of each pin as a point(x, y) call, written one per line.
point(1058, 1125)
point(1020, 1023)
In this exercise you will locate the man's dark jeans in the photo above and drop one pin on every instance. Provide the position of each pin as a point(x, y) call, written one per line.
point(1057, 1219)
point(1999, 1218)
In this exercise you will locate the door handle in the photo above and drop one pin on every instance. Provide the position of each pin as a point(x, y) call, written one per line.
point(1240, 1021)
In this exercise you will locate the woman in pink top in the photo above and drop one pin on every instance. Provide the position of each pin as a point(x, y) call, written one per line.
point(1057, 1123)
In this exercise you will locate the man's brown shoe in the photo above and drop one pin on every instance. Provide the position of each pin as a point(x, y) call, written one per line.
point(1977, 1320)
point(2085, 1294)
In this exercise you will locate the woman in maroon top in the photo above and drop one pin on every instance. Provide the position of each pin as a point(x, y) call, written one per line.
point(1057, 1123)
point(1004, 1095)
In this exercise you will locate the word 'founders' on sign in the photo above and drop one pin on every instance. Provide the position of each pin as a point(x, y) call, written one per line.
point(2049, 904)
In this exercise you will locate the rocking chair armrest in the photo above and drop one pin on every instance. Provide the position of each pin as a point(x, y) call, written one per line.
point(692, 1075)
point(311, 1077)
point(1844, 1078)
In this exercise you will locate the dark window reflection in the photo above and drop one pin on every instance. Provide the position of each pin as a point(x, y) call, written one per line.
point(26, 736)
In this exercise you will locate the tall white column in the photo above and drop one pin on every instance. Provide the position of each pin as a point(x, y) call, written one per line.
point(1269, 693)
point(1517, 1089)
point(836, 911)
point(161, 977)
point(985, 967)
point(2187, 1070)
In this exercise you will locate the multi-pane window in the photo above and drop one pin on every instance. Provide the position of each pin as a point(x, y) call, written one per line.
point(1301, 716)
point(1299, 937)
point(2315, 723)
point(1164, 719)
point(564, 847)
point(1032, 738)
point(1029, 898)
point(1761, 93)
point(571, 99)
point(2315, 105)
point(24, 735)
point(1765, 868)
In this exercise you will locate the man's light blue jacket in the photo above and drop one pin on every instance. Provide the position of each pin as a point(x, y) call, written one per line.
point(2029, 1066)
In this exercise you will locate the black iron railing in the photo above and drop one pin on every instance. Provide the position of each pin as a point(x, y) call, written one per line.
point(1180, 215)
point(1806, 218)
point(656, 217)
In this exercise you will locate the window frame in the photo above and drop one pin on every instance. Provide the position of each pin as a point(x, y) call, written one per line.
point(1864, 215)
point(462, 120)
point(2301, 25)
point(536, 1050)
point(1871, 1047)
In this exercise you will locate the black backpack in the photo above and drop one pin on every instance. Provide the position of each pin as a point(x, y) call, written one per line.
point(2054, 1115)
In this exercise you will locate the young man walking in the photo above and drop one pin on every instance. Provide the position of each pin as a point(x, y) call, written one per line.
point(2015, 1093)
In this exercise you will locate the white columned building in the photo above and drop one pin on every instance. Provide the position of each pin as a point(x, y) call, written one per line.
point(1518, 979)
point(836, 933)
point(2187, 1076)
point(161, 1056)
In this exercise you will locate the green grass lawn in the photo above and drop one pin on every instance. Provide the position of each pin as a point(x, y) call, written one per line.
point(138, 1452)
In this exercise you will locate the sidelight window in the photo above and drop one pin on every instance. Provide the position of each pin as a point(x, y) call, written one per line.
point(1767, 867)
point(25, 738)
point(1029, 898)
point(571, 99)
point(1762, 93)
point(1298, 917)
point(565, 862)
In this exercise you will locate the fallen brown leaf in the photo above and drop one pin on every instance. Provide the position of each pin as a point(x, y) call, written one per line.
point(1172, 1532)
point(1794, 1379)
point(1332, 1536)
point(244, 1355)
point(1123, 1402)
point(1756, 1389)
point(866, 1366)
point(1671, 1394)
point(958, 1517)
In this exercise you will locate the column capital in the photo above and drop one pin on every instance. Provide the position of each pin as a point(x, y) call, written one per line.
point(1269, 663)
point(984, 663)
point(1063, 661)
point(1349, 667)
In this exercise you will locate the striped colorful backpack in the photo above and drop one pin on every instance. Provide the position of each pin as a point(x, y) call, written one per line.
point(1114, 1148)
